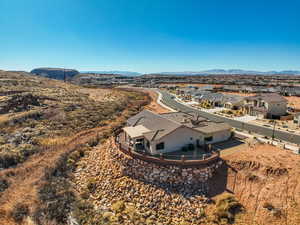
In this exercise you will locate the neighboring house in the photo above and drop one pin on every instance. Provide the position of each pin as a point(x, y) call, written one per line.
point(206, 88)
point(161, 133)
point(216, 99)
point(269, 105)
point(233, 101)
point(168, 86)
point(220, 100)
point(186, 93)
point(246, 89)
point(297, 118)
point(290, 91)
point(230, 88)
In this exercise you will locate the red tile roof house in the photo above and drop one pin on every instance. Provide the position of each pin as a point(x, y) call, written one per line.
point(161, 133)
point(270, 105)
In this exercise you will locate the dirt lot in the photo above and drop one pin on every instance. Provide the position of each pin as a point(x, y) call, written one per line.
point(98, 94)
point(294, 101)
point(154, 106)
point(238, 93)
point(265, 180)
point(189, 84)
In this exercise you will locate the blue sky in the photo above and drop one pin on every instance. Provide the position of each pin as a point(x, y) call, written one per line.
point(150, 35)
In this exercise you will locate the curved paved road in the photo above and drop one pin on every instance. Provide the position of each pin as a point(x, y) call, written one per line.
point(281, 135)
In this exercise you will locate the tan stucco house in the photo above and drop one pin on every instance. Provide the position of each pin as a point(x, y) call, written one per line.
point(269, 105)
point(161, 133)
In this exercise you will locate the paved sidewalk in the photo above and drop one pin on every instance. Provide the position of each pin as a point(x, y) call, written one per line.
point(245, 118)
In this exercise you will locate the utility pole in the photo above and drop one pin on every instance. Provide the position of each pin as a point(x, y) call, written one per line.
point(273, 134)
point(65, 79)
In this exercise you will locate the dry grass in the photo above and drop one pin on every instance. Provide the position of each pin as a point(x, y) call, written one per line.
point(264, 173)
point(26, 180)
point(102, 112)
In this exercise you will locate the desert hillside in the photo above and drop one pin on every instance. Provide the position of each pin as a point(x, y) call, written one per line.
point(45, 127)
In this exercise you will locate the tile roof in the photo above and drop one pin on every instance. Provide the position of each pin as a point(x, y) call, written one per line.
point(268, 97)
point(136, 131)
point(211, 127)
point(233, 98)
point(159, 125)
point(183, 118)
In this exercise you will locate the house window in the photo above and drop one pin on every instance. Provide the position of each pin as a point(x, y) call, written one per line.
point(160, 146)
point(148, 144)
point(208, 139)
point(140, 140)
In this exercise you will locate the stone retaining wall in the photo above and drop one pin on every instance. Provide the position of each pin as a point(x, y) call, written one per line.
point(187, 181)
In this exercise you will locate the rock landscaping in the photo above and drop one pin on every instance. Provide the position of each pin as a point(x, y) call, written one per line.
point(123, 190)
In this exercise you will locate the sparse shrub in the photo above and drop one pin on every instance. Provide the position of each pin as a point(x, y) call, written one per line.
point(91, 185)
point(2, 140)
point(275, 211)
point(118, 206)
point(226, 209)
point(19, 212)
point(268, 206)
point(94, 142)
point(84, 213)
point(26, 150)
point(56, 199)
point(9, 159)
point(202, 213)
point(84, 195)
point(252, 177)
point(3, 185)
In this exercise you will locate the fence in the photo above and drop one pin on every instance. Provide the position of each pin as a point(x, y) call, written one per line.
point(161, 160)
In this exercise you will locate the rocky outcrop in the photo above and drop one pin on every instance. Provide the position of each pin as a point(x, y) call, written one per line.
point(55, 73)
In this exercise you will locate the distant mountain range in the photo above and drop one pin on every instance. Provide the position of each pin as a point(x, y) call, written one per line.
point(232, 72)
point(59, 73)
point(125, 73)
